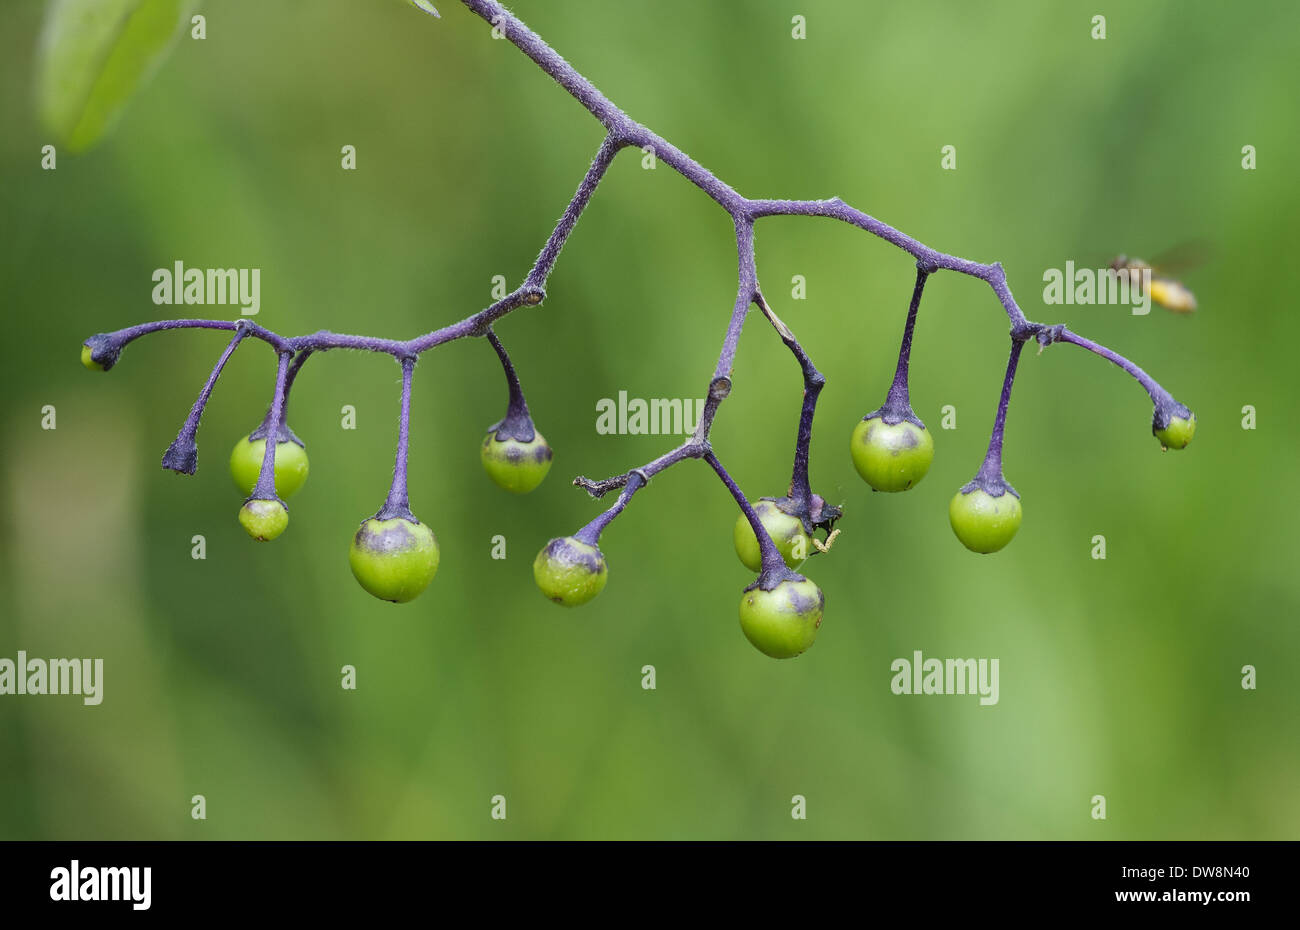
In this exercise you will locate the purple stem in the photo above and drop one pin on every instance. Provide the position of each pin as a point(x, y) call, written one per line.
point(265, 488)
point(1159, 396)
point(813, 382)
point(590, 534)
point(622, 132)
point(124, 336)
point(691, 449)
point(746, 292)
point(298, 361)
point(280, 430)
point(622, 129)
point(898, 404)
point(837, 209)
point(747, 288)
point(183, 454)
point(773, 564)
point(517, 423)
point(551, 251)
point(800, 491)
point(990, 476)
point(398, 503)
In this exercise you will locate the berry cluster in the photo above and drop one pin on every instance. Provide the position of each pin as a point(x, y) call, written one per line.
point(395, 557)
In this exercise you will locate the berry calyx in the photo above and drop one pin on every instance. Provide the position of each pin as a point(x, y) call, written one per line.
point(782, 622)
point(514, 465)
point(787, 532)
point(569, 571)
point(984, 522)
point(394, 559)
point(1176, 432)
point(264, 520)
point(290, 464)
point(891, 456)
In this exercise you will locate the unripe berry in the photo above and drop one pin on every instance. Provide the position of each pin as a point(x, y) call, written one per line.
point(290, 465)
point(783, 622)
point(100, 352)
point(891, 457)
point(516, 466)
point(394, 559)
point(1178, 433)
point(264, 520)
point(90, 362)
point(984, 523)
point(786, 530)
point(570, 571)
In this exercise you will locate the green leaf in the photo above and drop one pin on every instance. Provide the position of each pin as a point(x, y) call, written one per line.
point(426, 6)
point(94, 54)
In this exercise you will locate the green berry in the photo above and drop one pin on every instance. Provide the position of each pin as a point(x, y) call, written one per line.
point(570, 571)
point(982, 522)
point(786, 531)
point(90, 362)
point(891, 457)
point(394, 559)
point(516, 466)
point(264, 520)
point(1178, 433)
point(782, 622)
point(290, 465)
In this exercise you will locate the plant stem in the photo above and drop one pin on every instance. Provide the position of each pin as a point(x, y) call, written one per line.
point(265, 489)
point(800, 491)
point(183, 454)
point(546, 259)
point(990, 473)
point(624, 132)
point(898, 404)
point(1158, 394)
point(590, 534)
point(398, 503)
point(517, 423)
point(773, 564)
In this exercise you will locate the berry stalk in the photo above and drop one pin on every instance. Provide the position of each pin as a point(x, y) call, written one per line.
point(1159, 396)
point(800, 494)
point(774, 569)
point(265, 488)
point(590, 534)
point(990, 477)
point(517, 423)
point(182, 455)
point(898, 405)
point(398, 503)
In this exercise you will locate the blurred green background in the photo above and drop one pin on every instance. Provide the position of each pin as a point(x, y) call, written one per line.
point(222, 677)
